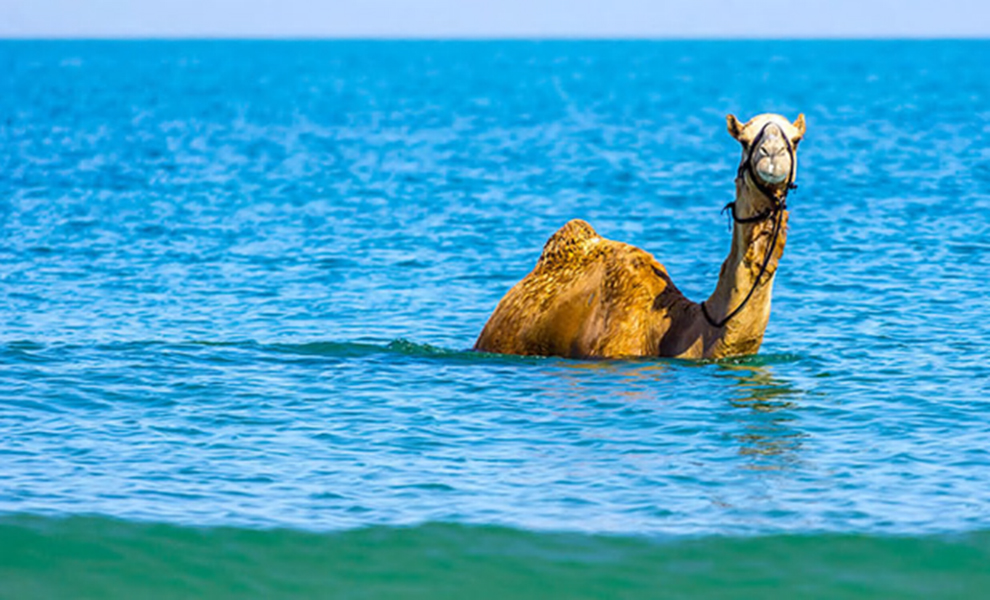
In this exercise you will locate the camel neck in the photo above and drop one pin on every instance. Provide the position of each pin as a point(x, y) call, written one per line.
point(740, 283)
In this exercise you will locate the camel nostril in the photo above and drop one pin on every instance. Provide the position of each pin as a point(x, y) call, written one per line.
point(770, 171)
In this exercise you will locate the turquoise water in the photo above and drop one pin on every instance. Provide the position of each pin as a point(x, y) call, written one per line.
point(240, 280)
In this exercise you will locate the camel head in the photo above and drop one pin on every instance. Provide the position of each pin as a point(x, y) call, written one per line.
point(769, 150)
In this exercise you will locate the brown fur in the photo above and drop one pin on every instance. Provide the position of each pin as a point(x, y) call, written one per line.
point(590, 297)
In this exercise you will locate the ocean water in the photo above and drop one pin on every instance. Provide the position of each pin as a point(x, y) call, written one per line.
point(239, 282)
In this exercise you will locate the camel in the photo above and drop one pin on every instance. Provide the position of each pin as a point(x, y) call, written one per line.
point(590, 297)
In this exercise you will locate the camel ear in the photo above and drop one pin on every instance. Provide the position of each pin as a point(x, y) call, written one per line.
point(735, 127)
point(799, 125)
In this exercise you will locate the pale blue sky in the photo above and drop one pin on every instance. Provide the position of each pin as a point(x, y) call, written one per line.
point(494, 18)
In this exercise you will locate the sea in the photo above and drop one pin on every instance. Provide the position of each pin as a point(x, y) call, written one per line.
point(240, 282)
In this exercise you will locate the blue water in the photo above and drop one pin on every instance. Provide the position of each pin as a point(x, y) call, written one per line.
point(240, 281)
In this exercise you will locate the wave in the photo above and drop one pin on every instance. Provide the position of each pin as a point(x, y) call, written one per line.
point(98, 557)
point(398, 346)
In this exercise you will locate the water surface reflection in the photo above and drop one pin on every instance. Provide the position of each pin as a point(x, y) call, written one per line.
point(766, 414)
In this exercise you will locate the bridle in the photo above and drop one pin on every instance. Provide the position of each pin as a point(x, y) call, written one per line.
point(778, 200)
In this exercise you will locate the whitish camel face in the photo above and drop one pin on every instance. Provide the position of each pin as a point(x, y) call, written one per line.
point(769, 147)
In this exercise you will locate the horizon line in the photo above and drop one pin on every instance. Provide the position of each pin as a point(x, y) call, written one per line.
point(490, 38)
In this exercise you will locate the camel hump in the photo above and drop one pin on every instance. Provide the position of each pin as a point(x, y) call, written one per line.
point(574, 240)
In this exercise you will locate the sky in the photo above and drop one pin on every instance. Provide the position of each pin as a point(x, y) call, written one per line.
point(495, 18)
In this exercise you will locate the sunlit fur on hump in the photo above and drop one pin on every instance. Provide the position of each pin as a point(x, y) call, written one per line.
point(583, 299)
